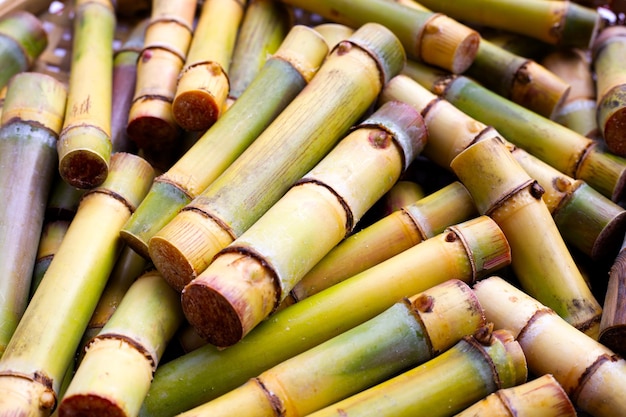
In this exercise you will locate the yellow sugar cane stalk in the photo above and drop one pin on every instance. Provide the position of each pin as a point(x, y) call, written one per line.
point(30, 124)
point(391, 235)
point(203, 84)
point(403, 193)
point(540, 259)
point(123, 87)
point(334, 33)
point(151, 123)
point(249, 278)
point(84, 145)
point(301, 135)
point(561, 23)
point(409, 333)
point(586, 219)
point(264, 25)
point(45, 341)
point(590, 373)
point(564, 149)
point(22, 39)
point(115, 373)
point(540, 397)
point(579, 109)
point(282, 77)
point(610, 77)
point(613, 323)
point(466, 251)
point(428, 37)
point(476, 366)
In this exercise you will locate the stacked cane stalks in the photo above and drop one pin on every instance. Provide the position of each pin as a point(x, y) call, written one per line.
point(291, 208)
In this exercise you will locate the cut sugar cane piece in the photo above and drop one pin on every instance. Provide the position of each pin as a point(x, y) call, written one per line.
point(403, 193)
point(429, 37)
point(45, 341)
point(84, 145)
point(474, 367)
point(589, 372)
point(613, 323)
point(540, 259)
point(387, 237)
point(282, 77)
point(407, 334)
point(31, 121)
point(562, 23)
point(467, 251)
point(264, 25)
point(22, 39)
point(203, 85)
point(541, 397)
point(301, 135)
point(334, 33)
point(610, 77)
point(151, 124)
point(249, 278)
point(117, 369)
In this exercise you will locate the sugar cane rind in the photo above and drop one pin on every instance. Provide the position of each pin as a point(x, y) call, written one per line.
point(562, 148)
point(587, 220)
point(429, 37)
point(610, 77)
point(541, 260)
point(556, 23)
point(613, 323)
point(395, 233)
point(123, 87)
point(203, 84)
point(466, 251)
point(264, 25)
point(151, 124)
point(282, 77)
point(589, 372)
point(43, 346)
point(411, 332)
point(249, 278)
point(115, 373)
point(31, 121)
point(473, 368)
point(22, 39)
point(297, 139)
point(84, 145)
point(540, 397)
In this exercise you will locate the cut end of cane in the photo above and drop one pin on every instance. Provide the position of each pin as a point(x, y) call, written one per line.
point(151, 123)
point(171, 261)
point(195, 110)
point(230, 298)
point(83, 168)
point(448, 44)
point(614, 124)
point(90, 405)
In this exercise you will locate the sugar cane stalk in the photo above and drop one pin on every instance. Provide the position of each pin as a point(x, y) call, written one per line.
point(282, 77)
point(403, 193)
point(409, 333)
point(264, 25)
point(476, 366)
point(84, 145)
point(610, 77)
point(393, 234)
point(564, 149)
point(540, 397)
point(334, 33)
point(249, 278)
point(297, 139)
point(428, 37)
point(22, 40)
point(540, 259)
point(587, 220)
point(203, 84)
point(151, 124)
point(46, 338)
point(613, 323)
point(560, 23)
point(31, 122)
point(589, 372)
point(117, 368)
point(467, 251)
